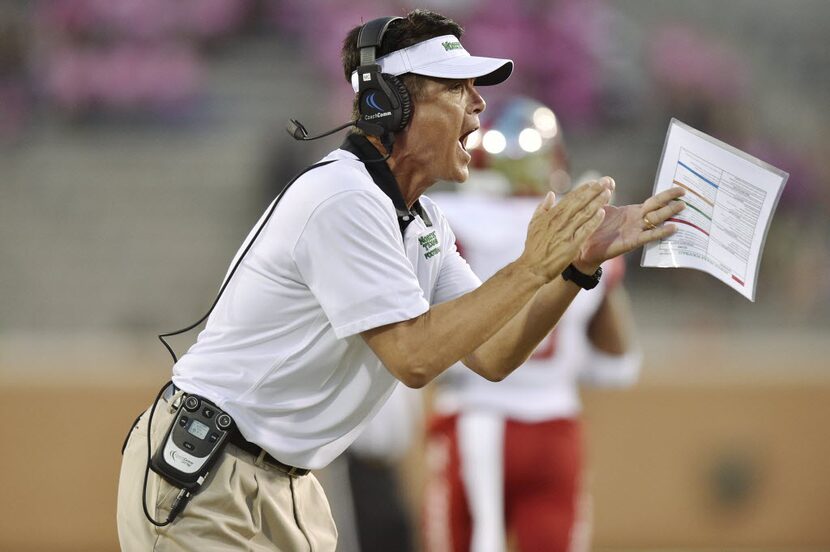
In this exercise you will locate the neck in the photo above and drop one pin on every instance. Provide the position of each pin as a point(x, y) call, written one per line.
point(410, 176)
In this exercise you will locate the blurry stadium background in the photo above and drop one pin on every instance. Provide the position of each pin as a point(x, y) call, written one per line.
point(140, 139)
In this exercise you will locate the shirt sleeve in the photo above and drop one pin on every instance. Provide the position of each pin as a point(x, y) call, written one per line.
point(455, 277)
point(350, 254)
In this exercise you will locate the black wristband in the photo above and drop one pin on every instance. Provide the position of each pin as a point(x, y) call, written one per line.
point(585, 281)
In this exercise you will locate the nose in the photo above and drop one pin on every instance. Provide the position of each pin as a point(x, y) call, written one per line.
point(477, 103)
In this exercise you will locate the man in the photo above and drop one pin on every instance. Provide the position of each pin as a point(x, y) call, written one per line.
point(506, 459)
point(355, 284)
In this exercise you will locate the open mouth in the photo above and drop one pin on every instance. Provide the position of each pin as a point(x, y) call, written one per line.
point(463, 139)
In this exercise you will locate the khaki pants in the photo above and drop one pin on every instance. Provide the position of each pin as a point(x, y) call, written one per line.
point(245, 504)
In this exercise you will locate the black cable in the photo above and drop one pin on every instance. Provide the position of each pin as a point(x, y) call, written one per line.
point(380, 160)
point(388, 141)
point(239, 261)
point(184, 496)
point(224, 284)
point(147, 469)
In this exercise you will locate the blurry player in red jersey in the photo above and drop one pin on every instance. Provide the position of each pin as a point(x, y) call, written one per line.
point(505, 460)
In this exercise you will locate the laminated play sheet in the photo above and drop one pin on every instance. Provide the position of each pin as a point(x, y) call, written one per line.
point(730, 199)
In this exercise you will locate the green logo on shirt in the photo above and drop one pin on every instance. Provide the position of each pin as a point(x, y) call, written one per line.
point(430, 244)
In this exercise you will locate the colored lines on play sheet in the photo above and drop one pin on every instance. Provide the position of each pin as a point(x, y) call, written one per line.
point(690, 205)
point(721, 213)
point(687, 223)
point(701, 180)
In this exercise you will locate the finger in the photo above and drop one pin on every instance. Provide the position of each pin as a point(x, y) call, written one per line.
point(582, 195)
point(609, 183)
point(568, 225)
point(545, 205)
point(579, 219)
point(583, 232)
point(663, 198)
point(542, 208)
point(659, 233)
point(661, 215)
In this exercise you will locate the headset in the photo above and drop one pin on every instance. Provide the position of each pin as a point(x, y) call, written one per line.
point(384, 103)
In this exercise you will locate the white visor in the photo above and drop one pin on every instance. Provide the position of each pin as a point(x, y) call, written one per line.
point(444, 57)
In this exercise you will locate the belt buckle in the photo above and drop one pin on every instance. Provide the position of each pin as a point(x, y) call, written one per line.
point(293, 471)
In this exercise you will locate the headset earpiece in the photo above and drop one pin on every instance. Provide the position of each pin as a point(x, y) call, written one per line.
point(399, 88)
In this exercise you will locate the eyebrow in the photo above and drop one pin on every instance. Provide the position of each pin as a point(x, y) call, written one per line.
point(445, 81)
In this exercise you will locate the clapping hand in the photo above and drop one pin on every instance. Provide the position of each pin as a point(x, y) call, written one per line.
point(628, 227)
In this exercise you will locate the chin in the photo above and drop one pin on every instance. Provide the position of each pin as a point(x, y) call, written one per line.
point(460, 175)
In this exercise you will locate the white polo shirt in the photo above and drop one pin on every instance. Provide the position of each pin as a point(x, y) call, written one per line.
point(281, 352)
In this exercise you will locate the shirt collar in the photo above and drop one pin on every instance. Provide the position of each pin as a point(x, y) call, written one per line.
point(363, 149)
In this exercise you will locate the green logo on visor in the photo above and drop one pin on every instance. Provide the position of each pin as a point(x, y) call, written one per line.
point(452, 46)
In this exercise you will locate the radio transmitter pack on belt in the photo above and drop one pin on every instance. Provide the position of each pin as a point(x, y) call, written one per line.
point(191, 446)
point(192, 443)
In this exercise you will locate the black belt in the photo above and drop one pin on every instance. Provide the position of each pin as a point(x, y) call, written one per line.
point(236, 438)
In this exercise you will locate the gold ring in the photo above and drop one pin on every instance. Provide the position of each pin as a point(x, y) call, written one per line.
point(649, 225)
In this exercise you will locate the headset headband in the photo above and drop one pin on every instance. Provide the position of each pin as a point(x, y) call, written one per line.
point(370, 37)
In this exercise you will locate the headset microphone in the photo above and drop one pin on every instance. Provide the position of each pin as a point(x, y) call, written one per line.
point(297, 131)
